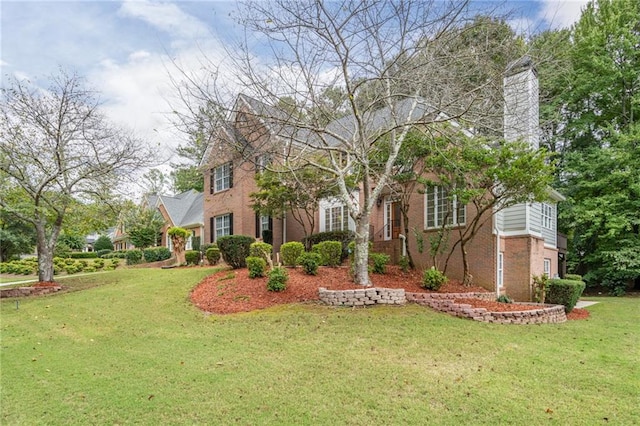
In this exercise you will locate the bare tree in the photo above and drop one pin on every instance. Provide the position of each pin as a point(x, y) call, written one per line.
point(57, 147)
point(388, 59)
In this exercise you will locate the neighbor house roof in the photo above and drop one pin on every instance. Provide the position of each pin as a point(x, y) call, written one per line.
point(184, 209)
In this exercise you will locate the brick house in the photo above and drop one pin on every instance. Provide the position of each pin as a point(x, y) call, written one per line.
point(518, 242)
point(184, 210)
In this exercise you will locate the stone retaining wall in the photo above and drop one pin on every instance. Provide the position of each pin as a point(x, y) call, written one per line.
point(443, 302)
point(547, 314)
point(28, 291)
point(363, 297)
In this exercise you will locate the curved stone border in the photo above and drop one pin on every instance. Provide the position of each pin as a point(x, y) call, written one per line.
point(443, 302)
point(28, 291)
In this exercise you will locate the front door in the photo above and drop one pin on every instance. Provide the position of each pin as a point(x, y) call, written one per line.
point(396, 220)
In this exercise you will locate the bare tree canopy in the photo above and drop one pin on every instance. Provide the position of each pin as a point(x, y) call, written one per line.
point(57, 147)
point(381, 68)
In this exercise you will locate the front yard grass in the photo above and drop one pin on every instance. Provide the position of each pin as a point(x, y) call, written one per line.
point(131, 349)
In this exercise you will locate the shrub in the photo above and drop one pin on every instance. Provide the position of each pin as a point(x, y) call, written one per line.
point(133, 257)
point(290, 252)
point(345, 237)
point(62, 250)
point(103, 243)
point(330, 252)
point(564, 292)
point(503, 298)
point(309, 262)
point(156, 254)
point(212, 254)
point(379, 261)
point(404, 263)
point(278, 278)
point(115, 263)
point(573, 277)
point(192, 257)
point(235, 249)
point(104, 252)
point(540, 287)
point(260, 249)
point(256, 265)
point(83, 255)
point(98, 263)
point(432, 279)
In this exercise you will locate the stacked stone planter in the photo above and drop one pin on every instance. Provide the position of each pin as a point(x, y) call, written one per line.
point(443, 302)
point(363, 297)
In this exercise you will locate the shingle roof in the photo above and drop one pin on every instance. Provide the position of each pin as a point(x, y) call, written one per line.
point(184, 209)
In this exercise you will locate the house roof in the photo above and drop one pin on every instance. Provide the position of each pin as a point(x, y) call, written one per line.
point(184, 209)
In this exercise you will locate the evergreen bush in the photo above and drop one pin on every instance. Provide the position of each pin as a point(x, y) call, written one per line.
point(345, 237)
point(261, 249)
point(290, 253)
point(192, 257)
point(432, 279)
point(235, 249)
point(564, 292)
point(309, 262)
point(212, 254)
point(278, 278)
point(257, 266)
point(380, 261)
point(330, 252)
point(134, 257)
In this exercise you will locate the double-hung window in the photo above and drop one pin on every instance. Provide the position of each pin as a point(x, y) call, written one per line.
point(221, 178)
point(442, 209)
point(547, 216)
point(223, 225)
point(336, 218)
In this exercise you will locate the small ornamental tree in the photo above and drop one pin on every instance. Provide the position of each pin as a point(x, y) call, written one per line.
point(103, 243)
point(179, 241)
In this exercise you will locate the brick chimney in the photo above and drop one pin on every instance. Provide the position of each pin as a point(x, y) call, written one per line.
point(521, 119)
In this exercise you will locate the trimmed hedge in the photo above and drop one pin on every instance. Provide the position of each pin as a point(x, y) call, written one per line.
point(260, 249)
point(564, 292)
point(192, 257)
point(330, 252)
point(134, 257)
point(309, 262)
point(235, 249)
point(212, 254)
point(290, 252)
point(256, 266)
point(345, 237)
point(102, 253)
point(83, 255)
point(573, 277)
point(156, 254)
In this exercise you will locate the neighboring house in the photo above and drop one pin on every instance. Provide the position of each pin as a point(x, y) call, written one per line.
point(519, 241)
point(184, 210)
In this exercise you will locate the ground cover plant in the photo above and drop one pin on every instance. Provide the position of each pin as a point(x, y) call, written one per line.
point(131, 348)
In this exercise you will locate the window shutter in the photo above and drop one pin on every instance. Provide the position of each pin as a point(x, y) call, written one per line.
point(270, 223)
point(212, 230)
point(231, 177)
point(230, 223)
point(211, 181)
point(257, 225)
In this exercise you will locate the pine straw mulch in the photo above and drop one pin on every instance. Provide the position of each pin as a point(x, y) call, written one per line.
point(232, 291)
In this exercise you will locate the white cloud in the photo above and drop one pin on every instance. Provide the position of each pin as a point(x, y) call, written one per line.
point(166, 17)
point(561, 13)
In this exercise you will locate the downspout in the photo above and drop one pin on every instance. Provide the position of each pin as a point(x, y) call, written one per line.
point(497, 233)
point(404, 244)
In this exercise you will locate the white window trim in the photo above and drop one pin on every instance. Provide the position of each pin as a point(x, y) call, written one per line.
point(547, 215)
point(222, 229)
point(436, 218)
point(222, 177)
point(327, 204)
point(546, 267)
point(500, 274)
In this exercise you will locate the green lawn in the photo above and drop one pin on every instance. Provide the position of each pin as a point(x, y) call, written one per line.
point(130, 349)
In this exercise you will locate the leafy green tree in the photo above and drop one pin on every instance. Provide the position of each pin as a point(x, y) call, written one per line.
point(57, 148)
point(73, 241)
point(281, 191)
point(487, 177)
point(154, 182)
point(16, 236)
point(600, 111)
point(143, 226)
point(103, 243)
point(187, 177)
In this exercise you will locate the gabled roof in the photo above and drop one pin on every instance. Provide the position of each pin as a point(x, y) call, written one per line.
point(185, 209)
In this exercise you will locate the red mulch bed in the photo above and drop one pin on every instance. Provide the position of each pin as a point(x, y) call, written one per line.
point(578, 314)
point(45, 284)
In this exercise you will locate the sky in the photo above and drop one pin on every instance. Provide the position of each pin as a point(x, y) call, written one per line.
point(126, 49)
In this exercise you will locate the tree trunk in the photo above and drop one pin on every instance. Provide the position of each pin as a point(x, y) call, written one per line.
point(361, 254)
point(45, 256)
point(178, 250)
point(467, 279)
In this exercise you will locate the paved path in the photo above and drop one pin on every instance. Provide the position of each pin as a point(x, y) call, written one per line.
point(56, 278)
point(584, 303)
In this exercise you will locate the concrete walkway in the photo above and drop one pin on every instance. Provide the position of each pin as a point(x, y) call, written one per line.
point(584, 303)
point(25, 282)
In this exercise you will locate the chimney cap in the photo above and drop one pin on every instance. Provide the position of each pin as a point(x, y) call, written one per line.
point(522, 64)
